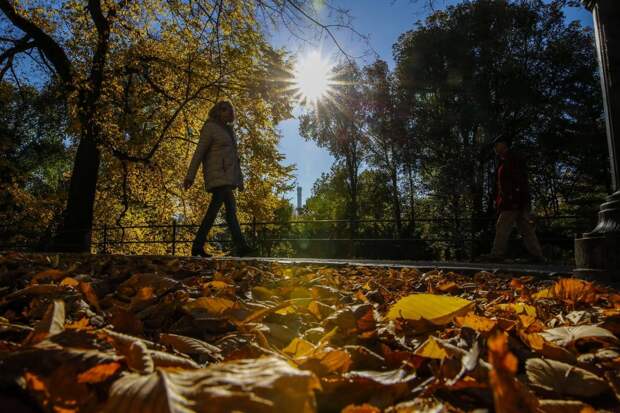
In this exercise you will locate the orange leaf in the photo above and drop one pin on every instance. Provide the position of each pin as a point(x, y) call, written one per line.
point(81, 324)
point(509, 395)
point(70, 281)
point(34, 382)
point(475, 322)
point(98, 373)
point(364, 408)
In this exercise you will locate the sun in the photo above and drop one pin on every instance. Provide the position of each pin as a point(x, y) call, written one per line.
point(312, 77)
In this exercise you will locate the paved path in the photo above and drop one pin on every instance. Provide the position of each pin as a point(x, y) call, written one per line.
point(462, 267)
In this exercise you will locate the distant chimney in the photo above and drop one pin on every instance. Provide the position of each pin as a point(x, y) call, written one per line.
point(299, 200)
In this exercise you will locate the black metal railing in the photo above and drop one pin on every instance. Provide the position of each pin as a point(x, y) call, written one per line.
point(365, 238)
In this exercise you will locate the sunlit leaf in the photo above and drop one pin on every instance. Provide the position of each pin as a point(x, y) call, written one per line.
point(475, 322)
point(213, 305)
point(564, 336)
point(263, 385)
point(431, 349)
point(298, 348)
point(437, 309)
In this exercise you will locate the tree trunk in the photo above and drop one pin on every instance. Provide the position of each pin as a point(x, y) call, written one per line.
point(396, 204)
point(74, 234)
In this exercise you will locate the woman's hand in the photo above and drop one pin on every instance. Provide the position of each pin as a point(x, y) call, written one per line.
point(187, 183)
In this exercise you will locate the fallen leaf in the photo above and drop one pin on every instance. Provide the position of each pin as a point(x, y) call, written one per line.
point(213, 305)
point(431, 349)
point(564, 336)
point(509, 395)
point(53, 322)
point(564, 379)
point(99, 373)
point(193, 347)
point(437, 309)
point(475, 322)
point(564, 406)
point(263, 385)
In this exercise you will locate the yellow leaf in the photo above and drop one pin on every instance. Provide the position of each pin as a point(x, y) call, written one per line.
point(214, 305)
point(286, 310)
point(518, 308)
point(438, 309)
point(262, 293)
point(431, 349)
point(298, 347)
point(70, 281)
point(478, 323)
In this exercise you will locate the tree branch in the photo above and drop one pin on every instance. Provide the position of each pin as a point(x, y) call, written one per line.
point(50, 48)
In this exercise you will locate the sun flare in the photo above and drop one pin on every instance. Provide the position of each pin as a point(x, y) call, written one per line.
point(313, 76)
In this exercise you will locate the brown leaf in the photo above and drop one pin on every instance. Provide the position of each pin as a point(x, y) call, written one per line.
point(564, 379)
point(509, 395)
point(264, 385)
point(564, 406)
point(52, 323)
point(564, 336)
point(139, 358)
point(198, 349)
point(162, 359)
point(90, 295)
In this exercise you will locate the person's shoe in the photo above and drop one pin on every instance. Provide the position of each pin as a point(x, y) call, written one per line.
point(199, 252)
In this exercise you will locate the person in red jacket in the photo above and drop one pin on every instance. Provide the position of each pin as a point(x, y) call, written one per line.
point(513, 203)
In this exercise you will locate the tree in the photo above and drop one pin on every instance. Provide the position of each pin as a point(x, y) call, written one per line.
point(137, 77)
point(484, 69)
point(385, 133)
point(35, 162)
point(337, 125)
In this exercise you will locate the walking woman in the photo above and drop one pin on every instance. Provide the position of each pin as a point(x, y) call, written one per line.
point(217, 152)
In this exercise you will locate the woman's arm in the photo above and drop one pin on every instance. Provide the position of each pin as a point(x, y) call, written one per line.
point(199, 153)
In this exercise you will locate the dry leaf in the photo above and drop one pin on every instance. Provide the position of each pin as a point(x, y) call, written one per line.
point(99, 373)
point(564, 379)
point(162, 359)
point(431, 349)
point(509, 395)
point(564, 406)
point(139, 359)
point(264, 385)
point(475, 322)
point(564, 336)
point(437, 309)
point(198, 349)
point(53, 322)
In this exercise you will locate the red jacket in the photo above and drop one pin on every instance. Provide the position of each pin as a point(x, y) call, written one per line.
point(512, 189)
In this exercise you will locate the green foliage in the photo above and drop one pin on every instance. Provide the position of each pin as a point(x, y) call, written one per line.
point(35, 162)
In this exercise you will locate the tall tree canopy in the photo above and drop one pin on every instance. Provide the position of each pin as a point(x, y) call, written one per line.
point(138, 79)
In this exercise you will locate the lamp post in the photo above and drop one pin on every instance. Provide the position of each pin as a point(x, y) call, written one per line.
point(597, 253)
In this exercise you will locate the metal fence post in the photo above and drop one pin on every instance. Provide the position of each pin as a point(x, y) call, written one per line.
point(174, 236)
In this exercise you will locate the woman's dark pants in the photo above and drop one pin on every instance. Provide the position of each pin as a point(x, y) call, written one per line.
point(221, 195)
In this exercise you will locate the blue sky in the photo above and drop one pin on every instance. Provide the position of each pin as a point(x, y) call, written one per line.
point(382, 21)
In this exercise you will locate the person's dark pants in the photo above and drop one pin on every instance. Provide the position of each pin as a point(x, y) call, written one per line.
point(221, 195)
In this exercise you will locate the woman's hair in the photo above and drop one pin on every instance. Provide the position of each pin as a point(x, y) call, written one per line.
point(214, 112)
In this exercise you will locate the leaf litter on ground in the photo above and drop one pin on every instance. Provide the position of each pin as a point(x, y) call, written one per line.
point(86, 333)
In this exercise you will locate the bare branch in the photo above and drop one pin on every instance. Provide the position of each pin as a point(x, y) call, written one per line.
point(50, 48)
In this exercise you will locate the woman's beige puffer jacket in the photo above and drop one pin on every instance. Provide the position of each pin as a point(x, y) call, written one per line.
point(217, 151)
